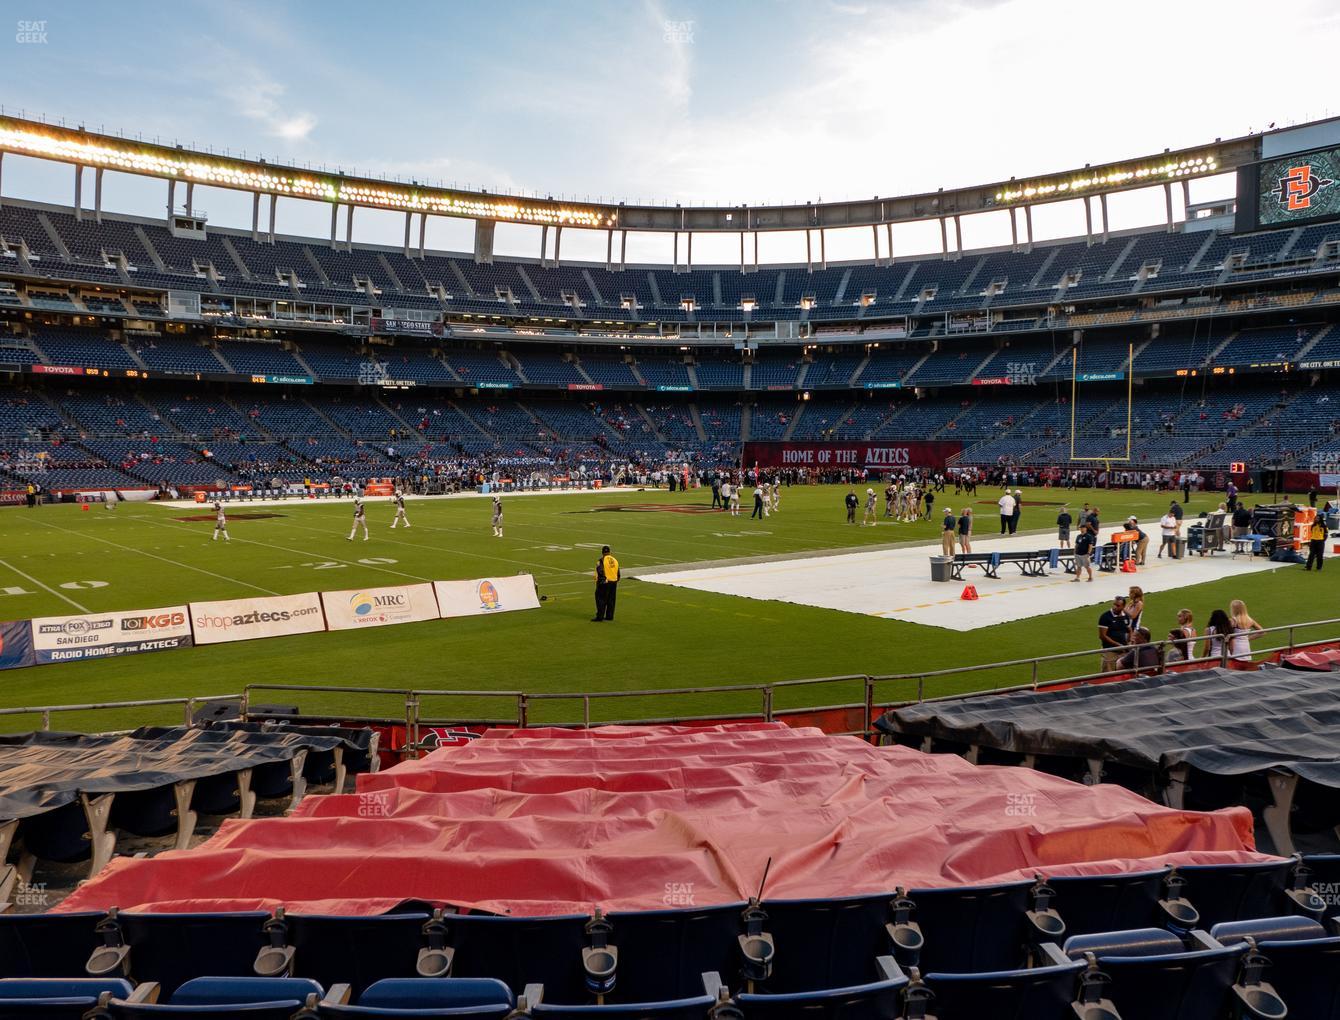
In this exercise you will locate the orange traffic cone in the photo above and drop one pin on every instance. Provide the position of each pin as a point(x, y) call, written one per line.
point(83, 506)
point(969, 594)
point(1128, 566)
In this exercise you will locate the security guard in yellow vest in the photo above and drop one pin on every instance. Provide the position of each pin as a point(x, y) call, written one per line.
point(1316, 542)
point(607, 585)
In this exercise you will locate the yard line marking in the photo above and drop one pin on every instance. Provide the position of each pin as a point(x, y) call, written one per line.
point(141, 552)
point(53, 591)
point(302, 552)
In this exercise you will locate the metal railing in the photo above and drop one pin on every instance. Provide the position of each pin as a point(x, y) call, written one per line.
point(918, 686)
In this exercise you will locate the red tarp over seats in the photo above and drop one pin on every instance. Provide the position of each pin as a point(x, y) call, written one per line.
point(554, 822)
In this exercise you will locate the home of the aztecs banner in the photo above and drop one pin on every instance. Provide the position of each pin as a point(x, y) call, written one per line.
point(877, 455)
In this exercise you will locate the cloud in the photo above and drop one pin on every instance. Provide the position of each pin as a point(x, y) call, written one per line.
point(677, 33)
point(258, 97)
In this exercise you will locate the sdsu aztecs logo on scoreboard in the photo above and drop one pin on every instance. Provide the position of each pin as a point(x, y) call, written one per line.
point(1299, 185)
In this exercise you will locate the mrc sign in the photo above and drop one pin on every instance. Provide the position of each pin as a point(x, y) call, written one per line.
point(885, 455)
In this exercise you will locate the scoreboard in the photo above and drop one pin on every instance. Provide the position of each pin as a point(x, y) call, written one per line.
point(1289, 190)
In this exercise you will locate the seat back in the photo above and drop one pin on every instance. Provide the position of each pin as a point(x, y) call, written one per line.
point(1232, 892)
point(55, 998)
point(46, 945)
point(437, 993)
point(662, 953)
point(521, 950)
point(1039, 993)
point(1098, 903)
point(173, 948)
point(693, 1008)
point(235, 991)
point(823, 943)
point(974, 928)
point(355, 950)
point(1155, 977)
point(1304, 961)
point(876, 1000)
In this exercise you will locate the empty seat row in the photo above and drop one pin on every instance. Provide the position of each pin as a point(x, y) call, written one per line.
point(1267, 969)
point(654, 955)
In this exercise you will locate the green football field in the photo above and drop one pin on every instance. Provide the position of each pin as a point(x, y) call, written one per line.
point(61, 560)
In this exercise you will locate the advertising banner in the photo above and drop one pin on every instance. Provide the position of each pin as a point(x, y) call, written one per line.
point(244, 619)
point(486, 596)
point(101, 635)
point(379, 607)
point(881, 455)
point(16, 645)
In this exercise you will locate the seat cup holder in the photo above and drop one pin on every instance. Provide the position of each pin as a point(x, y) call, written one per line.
point(1262, 1003)
point(1098, 1013)
point(1181, 914)
point(601, 964)
point(906, 938)
point(107, 960)
point(273, 961)
point(434, 963)
point(1048, 923)
point(758, 951)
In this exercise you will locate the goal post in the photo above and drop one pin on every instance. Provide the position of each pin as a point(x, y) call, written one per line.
point(1110, 457)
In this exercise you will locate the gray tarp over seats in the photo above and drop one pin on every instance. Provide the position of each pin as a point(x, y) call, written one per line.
point(65, 788)
point(1223, 723)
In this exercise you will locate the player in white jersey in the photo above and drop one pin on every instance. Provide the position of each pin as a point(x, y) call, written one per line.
point(735, 500)
point(776, 494)
point(399, 510)
point(360, 519)
point(497, 517)
point(220, 522)
point(725, 494)
point(869, 517)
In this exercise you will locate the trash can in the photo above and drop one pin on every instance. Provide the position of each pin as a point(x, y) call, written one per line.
point(940, 567)
point(1179, 548)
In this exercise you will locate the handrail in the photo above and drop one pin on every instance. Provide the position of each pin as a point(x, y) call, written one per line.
point(869, 705)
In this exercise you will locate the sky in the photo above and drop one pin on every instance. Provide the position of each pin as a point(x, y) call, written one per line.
point(673, 101)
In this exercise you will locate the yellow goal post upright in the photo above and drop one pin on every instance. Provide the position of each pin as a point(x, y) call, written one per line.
point(1107, 459)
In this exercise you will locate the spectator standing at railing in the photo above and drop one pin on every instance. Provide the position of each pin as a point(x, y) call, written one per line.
point(1217, 630)
point(1183, 638)
point(1114, 631)
point(1240, 640)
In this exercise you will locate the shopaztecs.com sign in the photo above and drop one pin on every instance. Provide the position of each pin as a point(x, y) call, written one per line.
point(877, 456)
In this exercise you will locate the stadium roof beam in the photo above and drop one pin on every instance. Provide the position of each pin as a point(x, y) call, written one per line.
point(112, 152)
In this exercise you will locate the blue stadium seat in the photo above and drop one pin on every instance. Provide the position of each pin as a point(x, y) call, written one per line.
point(662, 952)
point(1044, 992)
point(875, 1000)
point(252, 998)
point(1235, 892)
point(170, 949)
point(330, 950)
point(56, 998)
point(408, 997)
point(1154, 974)
point(1304, 965)
point(982, 928)
point(521, 951)
point(46, 945)
point(1094, 903)
point(693, 1007)
point(828, 943)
